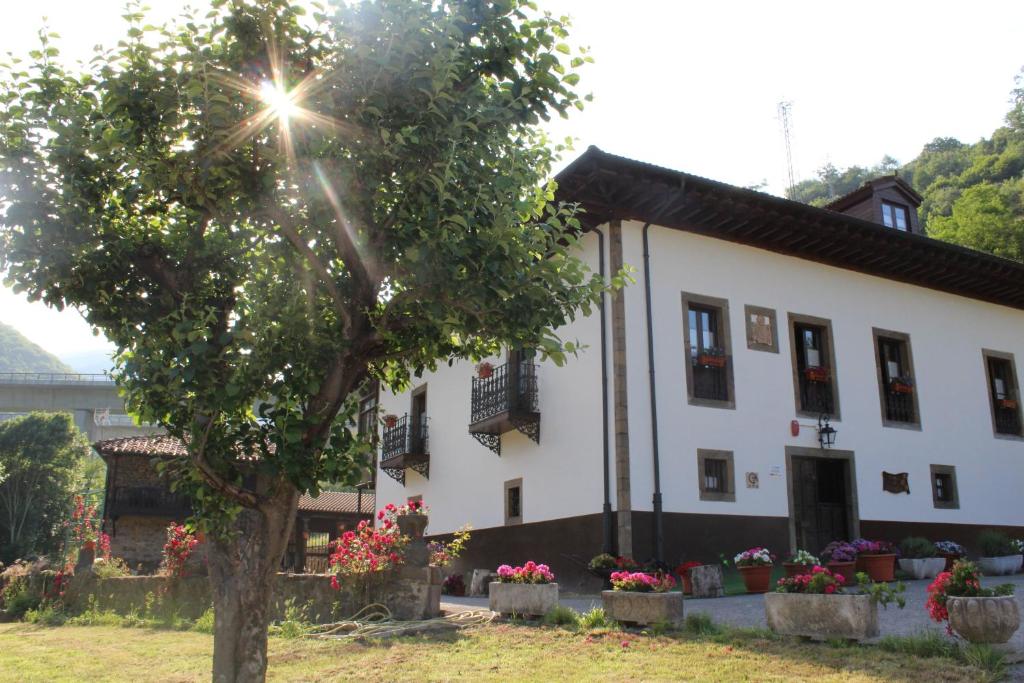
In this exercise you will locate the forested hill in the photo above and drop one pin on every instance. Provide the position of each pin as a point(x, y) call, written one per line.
point(973, 193)
point(18, 354)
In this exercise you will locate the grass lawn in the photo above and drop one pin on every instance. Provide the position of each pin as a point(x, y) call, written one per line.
point(493, 652)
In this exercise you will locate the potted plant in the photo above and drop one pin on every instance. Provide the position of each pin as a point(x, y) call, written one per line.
point(528, 590)
point(876, 558)
point(712, 357)
point(840, 558)
point(800, 562)
point(979, 615)
point(918, 557)
point(999, 555)
point(642, 598)
point(815, 605)
point(901, 385)
point(484, 370)
point(951, 551)
point(602, 566)
point(755, 565)
point(1008, 403)
point(817, 373)
point(454, 584)
point(683, 571)
point(390, 421)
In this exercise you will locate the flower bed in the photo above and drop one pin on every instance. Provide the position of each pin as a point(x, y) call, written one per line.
point(527, 590)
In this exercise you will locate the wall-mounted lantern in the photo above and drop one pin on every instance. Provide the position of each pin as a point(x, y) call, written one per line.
point(826, 432)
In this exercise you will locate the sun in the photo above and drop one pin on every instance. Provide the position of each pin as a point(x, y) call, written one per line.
point(278, 100)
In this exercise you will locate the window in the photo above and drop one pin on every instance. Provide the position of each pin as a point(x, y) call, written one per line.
point(897, 388)
point(514, 502)
point(709, 375)
point(418, 423)
point(367, 423)
point(814, 366)
point(762, 334)
point(1003, 393)
point(715, 475)
point(944, 494)
point(894, 216)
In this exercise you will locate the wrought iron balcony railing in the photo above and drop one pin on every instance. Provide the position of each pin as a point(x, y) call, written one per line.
point(506, 399)
point(816, 396)
point(899, 406)
point(710, 382)
point(405, 444)
point(147, 501)
point(1008, 420)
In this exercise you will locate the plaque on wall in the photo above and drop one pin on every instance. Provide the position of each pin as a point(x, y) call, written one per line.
point(896, 483)
point(753, 481)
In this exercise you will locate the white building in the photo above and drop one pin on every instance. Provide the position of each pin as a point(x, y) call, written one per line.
point(752, 319)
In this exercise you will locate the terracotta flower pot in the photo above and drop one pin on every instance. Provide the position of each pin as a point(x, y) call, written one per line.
point(794, 569)
point(757, 578)
point(485, 370)
point(878, 567)
point(848, 570)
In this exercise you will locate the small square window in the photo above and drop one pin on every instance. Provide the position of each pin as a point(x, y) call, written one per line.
point(514, 501)
point(944, 493)
point(715, 475)
point(894, 216)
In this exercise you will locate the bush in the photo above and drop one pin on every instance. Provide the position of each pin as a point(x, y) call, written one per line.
point(48, 614)
point(995, 544)
point(17, 598)
point(560, 615)
point(593, 619)
point(204, 624)
point(915, 547)
point(295, 623)
point(701, 624)
point(111, 568)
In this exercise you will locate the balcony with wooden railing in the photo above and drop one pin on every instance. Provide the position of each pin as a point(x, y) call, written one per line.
point(506, 399)
point(147, 501)
point(405, 444)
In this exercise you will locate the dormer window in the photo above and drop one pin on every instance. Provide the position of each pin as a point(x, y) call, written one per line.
point(894, 216)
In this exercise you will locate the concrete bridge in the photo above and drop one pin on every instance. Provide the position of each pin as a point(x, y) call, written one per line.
point(92, 399)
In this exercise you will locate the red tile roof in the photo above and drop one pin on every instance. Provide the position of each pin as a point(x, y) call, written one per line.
point(337, 501)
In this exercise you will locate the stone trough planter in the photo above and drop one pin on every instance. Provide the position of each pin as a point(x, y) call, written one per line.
point(822, 616)
point(525, 599)
point(923, 567)
point(984, 620)
point(631, 607)
point(1000, 566)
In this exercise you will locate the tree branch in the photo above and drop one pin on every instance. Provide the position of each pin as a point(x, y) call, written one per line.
point(240, 495)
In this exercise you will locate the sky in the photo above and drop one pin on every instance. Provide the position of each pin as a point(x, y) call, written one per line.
point(695, 86)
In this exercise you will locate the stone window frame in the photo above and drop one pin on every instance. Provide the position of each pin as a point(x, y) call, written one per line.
point(749, 310)
point(949, 470)
point(511, 484)
point(725, 336)
point(908, 363)
point(794, 319)
point(1007, 356)
point(729, 495)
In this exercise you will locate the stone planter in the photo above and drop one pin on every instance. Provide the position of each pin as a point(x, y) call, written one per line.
point(757, 578)
point(530, 599)
point(998, 566)
point(984, 620)
point(848, 570)
point(631, 607)
point(950, 559)
point(878, 567)
point(923, 567)
point(794, 569)
point(413, 525)
point(822, 616)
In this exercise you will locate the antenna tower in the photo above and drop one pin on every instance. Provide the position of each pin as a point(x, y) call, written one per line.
point(784, 117)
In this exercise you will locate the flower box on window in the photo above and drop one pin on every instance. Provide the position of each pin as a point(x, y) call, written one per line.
point(1008, 403)
point(817, 374)
point(712, 358)
point(390, 421)
point(484, 370)
point(901, 385)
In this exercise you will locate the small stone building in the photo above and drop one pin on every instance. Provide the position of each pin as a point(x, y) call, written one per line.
point(139, 506)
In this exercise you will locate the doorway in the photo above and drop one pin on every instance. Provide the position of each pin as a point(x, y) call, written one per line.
point(822, 498)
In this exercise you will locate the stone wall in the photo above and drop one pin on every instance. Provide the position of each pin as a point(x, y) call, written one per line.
point(409, 593)
point(139, 541)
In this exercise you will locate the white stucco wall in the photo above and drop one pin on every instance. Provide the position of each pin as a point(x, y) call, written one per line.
point(562, 476)
point(947, 335)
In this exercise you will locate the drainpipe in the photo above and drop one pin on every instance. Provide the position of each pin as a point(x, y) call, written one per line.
point(659, 532)
point(608, 522)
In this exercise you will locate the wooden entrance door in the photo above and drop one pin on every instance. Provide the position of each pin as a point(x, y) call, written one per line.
point(821, 505)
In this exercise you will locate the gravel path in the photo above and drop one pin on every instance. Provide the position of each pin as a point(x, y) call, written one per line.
point(748, 610)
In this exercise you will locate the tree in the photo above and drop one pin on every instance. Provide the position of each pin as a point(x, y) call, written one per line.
point(42, 455)
point(988, 218)
point(262, 210)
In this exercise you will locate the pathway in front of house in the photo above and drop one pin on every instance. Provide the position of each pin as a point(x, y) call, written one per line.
point(748, 610)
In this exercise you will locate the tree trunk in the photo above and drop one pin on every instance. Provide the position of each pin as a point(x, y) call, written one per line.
point(242, 578)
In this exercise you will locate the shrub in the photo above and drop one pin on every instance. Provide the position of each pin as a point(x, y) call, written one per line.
point(178, 548)
point(594, 618)
point(995, 544)
point(915, 547)
point(641, 582)
point(560, 615)
point(701, 624)
point(531, 572)
point(110, 568)
point(47, 614)
point(18, 598)
point(295, 623)
point(204, 624)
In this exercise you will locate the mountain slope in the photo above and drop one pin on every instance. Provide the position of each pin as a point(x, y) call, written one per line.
point(18, 354)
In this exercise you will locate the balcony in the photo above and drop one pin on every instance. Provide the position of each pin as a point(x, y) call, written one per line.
point(147, 501)
point(1007, 417)
point(710, 382)
point(816, 391)
point(405, 444)
point(899, 404)
point(507, 399)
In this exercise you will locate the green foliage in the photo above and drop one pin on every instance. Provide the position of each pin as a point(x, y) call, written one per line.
point(995, 544)
point(915, 547)
point(47, 614)
point(594, 618)
point(42, 455)
point(922, 644)
point(18, 354)
point(988, 217)
point(17, 598)
point(701, 624)
point(660, 628)
point(204, 624)
point(111, 568)
point(560, 615)
point(986, 658)
point(882, 593)
point(296, 621)
point(238, 256)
